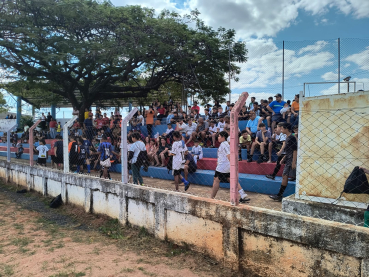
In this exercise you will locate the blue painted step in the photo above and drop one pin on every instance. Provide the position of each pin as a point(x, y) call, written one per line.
point(24, 156)
point(249, 182)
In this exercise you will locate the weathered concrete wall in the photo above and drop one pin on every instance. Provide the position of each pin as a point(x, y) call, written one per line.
point(337, 213)
point(250, 239)
point(333, 139)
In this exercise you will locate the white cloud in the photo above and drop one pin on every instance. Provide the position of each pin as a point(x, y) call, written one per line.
point(256, 17)
point(316, 47)
point(361, 83)
point(361, 59)
point(264, 67)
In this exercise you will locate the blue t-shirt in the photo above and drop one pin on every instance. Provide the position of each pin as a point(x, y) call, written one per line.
point(106, 149)
point(87, 143)
point(253, 124)
point(276, 106)
point(88, 122)
point(192, 163)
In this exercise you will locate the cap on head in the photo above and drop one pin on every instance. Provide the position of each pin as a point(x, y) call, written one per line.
point(278, 95)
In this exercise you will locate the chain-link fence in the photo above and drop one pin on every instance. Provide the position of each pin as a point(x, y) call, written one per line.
point(187, 151)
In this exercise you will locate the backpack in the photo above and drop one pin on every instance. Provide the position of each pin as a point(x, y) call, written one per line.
point(56, 202)
point(357, 182)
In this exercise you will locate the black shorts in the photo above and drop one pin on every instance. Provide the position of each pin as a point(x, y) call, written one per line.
point(41, 160)
point(177, 172)
point(223, 177)
point(192, 169)
point(81, 161)
point(57, 160)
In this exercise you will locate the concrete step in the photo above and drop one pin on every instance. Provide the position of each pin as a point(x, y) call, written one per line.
point(249, 182)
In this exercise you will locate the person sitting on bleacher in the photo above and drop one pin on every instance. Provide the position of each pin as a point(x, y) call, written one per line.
point(214, 113)
point(279, 145)
point(262, 140)
point(169, 132)
point(253, 124)
point(196, 151)
point(207, 116)
point(213, 131)
point(163, 151)
point(256, 108)
point(190, 131)
point(20, 150)
point(265, 113)
point(170, 118)
point(244, 143)
point(244, 114)
point(202, 131)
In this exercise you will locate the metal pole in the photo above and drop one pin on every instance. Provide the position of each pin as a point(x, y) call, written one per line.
point(8, 144)
point(65, 143)
point(229, 74)
point(124, 153)
point(339, 65)
point(234, 148)
point(283, 73)
point(30, 141)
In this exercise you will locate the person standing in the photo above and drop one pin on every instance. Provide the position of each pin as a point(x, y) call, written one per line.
point(58, 152)
point(295, 108)
point(52, 126)
point(222, 172)
point(135, 156)
point(290, 160)
point(178, 151)
point(149, 120)
point(106, 150)
point(42, 153)
point(58, 129)
point(275, 108)
point(43, 121)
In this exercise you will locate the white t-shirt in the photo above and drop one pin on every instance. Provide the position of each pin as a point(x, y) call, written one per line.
point(213, 130)
point(197, 151)
point(183, 126)
point(136, 148)
point(223, 164)
point(221, 125)
point(42, 151)
point(178, 149)
point(168, 131)
point(281, 137)
point(142, 118)
point(191, 129)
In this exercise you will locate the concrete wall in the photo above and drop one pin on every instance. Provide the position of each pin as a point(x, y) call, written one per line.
point(333, 139)
point(256, 241)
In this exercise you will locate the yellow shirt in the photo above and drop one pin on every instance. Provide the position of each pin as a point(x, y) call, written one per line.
point(243, 140)
point(58, 129)
point(86, 115)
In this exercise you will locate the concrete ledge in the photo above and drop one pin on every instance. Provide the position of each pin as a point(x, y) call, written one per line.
point(323, 211)
point(250, 239)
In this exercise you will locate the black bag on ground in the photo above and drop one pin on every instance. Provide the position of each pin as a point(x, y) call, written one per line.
point(357, 182)
point(56, 202)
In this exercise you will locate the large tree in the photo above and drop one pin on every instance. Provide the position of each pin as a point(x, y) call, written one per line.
point(87, 52)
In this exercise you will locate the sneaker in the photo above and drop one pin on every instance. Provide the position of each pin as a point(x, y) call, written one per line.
point(211, 146)
point(244, 200)
point(270, 176)
point(260, 160)
point(187, 185)
point(276, 197)
point(240, 159)
point(249, 160)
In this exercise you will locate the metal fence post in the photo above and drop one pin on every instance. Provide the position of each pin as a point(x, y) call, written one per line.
point(30, 141)
point(234, 148)
point(124, 153)
point(8, 141)
point(65, 143)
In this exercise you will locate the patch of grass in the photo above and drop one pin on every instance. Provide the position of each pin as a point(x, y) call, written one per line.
point(141, 268)
point(126, 269)
point(44, 266)
point(8, 270)
point(48, 242)
point(113, 229)
point(96, 251)
point(143, 232)
point(60, 244)
point(18, 226)
point(21, 241)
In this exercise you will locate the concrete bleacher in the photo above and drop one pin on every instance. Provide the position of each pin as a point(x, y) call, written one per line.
point(249, 182)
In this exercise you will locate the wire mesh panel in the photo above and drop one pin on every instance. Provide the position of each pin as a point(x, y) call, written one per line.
point(94, 144)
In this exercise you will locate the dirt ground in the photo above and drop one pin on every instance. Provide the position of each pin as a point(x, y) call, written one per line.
point(38, 241)
point(257, 199)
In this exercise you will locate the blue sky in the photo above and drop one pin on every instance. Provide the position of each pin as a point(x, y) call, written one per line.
point(310, 29)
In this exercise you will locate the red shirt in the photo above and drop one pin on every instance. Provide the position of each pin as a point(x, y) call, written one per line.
point(106, 121)
point(196, 108)
point(52, 143)
point(52, 124)
point(76, 125)
point(100, 123)
point(161, 111)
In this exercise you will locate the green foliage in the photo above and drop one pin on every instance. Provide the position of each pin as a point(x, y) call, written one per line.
point(3, 105)
point(25, 120)
point(90, 52)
